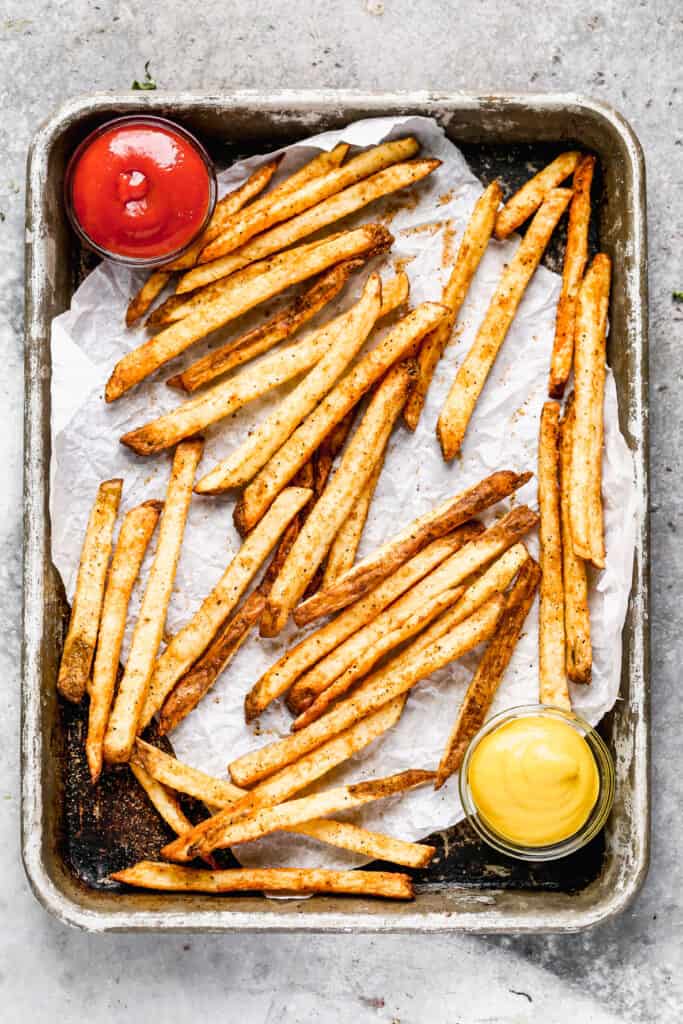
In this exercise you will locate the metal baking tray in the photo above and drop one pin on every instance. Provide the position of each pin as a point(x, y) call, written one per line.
point(72, 837)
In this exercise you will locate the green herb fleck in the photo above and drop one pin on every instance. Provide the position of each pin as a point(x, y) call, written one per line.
point(147, 83)
point(677, 296)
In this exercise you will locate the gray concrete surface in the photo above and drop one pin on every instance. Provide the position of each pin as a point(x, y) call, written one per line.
point(627, 52)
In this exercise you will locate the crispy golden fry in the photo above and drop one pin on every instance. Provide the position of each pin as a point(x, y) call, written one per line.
point(318, 532)
point(472, 248)
point(387, 558)
point(192, 640)
point(341, 340)
point(262, 216)
point(350, 389)
point(180, 777)
point(86, 607)
point(140, 303)
point(342, 553)
point(431, 650)
point(490, 670)
point(356, 655)
point(149, 874)
point(585, 504)
point(551, 664)
point(475, 368)
point(197, 682)
point(283, 325)
point(534, 192)
point(135, 534)
point(375, 845)
point(162, 799)
point(132, 692)
point(239, 293)
point(341, 205)
point(577, 623)
point(293, 663)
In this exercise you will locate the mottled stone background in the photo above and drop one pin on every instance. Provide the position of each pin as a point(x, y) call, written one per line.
point(627, 52)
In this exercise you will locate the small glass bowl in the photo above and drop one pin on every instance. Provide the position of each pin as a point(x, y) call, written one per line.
point(596, 818)
point(140, 262)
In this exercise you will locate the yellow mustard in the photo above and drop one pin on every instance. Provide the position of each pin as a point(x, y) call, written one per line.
point(534, 780)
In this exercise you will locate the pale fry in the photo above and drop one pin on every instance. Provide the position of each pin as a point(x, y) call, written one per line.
point(283, 325)
point(172, 878)
point(336, 501)
point(278, 679)
point(341, 340)
point(132, 692)
point(191, 641)
point(476, 366)
point(238, 294)
point(472, 248)
point(575, 259)
point(303, 442)
point(534, 192)
point(134, 536)
point(335, 208)
point(143, 299)
point(577, 623)
point(552, 673)
point(375, 845)
point(589, 391)
point(342, 553)
point(86, 607)
point(367, 573)
point(260, 217)
point(180, 777)
point(162, 799)
point(431, 650)
point(490, 670)
point(197, 682)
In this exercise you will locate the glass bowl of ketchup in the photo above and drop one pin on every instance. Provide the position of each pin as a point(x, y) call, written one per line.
point(140, 190)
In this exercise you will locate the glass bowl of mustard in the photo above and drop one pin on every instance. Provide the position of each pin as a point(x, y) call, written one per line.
point(537, 782)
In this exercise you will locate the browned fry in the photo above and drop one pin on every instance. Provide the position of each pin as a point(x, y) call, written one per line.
point(132, 692)
point(472, 248)
point(577, 623)
point(551, 664)
point(238, 294)
point(181, 777)
point(197, 682)
point(490, 670)
point(134, 536)
point(374, 845)
point(86, 607)
point(575, 259)
point(283, 325)
point(534, 192)
point(162, 799)
point(143, 299)
point(173, 878)
point(422, 531)
point(585, 504)
point(342, 553)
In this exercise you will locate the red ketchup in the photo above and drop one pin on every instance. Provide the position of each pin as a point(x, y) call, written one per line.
point(141, 189)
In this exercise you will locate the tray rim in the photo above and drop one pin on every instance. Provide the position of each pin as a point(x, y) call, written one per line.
point(36, 483)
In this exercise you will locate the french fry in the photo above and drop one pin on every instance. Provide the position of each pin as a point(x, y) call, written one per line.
point(260, 217)
point(433, 649)
point(199, 679)
point(585, 504)
point(551, 664)
point(192, 640)
point(375, 845)
point(472, 248)
point(278, 679)
point(335, 208)
point(490, 670)
point(132, 692)
point(172, 878)
point(318, 532)
point(299, 447)
point(283, 325)
point(86, 607)
point(577, 623)
point(181, 777)
point(134, 536)
point(145, 296)
point(534, 192)
point(165, 802)
point(575, 259)
point(238, 294)
point(341, 340)
point(367, 573)
point(476, 366)
point(342, 553)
